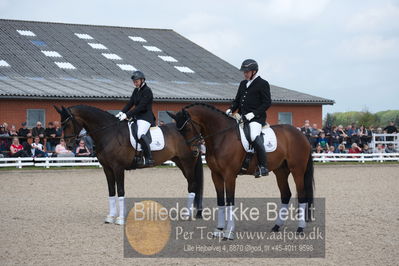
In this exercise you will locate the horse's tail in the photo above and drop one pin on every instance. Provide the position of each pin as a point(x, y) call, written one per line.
point(309, 185)
point(199, 180)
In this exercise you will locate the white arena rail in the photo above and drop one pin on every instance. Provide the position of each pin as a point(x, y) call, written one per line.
point(16, 161)
point(355, 157)
point(66, 161)
point(48, 162)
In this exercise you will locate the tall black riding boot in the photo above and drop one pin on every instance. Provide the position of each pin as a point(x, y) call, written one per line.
point(261, 154)
point(145, 145)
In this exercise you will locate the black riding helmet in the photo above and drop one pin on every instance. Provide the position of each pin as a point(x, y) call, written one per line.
point(138, 75)
point(249, 65)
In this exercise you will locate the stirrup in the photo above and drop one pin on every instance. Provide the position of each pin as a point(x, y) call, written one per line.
point(261, 171)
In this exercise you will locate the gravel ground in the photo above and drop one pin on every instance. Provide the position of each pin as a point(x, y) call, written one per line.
point(53, 217)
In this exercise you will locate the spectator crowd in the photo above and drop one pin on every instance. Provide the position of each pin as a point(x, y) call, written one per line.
point(349, 139)
point(41, 142)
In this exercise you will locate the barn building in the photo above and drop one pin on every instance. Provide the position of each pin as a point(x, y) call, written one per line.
point(43, 63)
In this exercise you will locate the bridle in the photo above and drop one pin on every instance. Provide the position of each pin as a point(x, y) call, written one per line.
point(197, 140)
point(78, 136)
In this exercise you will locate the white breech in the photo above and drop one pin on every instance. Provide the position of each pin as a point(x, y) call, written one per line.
point(256, 129)
point(142, 127)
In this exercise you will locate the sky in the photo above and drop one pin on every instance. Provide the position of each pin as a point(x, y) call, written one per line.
point(347, 51)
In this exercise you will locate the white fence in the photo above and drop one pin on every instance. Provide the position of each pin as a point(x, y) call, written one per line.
point(93, 161)
point(355, 157)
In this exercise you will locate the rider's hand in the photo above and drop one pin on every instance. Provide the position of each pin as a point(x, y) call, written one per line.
point(228, 112)
point(122, 117)
point(249, 116)
point(119, 114)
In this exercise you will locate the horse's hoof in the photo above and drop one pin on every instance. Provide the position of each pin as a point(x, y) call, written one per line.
point(109, 219)
point(120, 220)
point(199, 214)
point(218, 233)
point(276, 228)
point(228, 235)
point(300, 230)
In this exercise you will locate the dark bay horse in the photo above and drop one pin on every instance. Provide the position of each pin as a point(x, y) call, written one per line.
point(225, 155)
point(115, 152)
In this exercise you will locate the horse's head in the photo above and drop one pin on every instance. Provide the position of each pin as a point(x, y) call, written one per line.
point(70, 127)
point(189, 129)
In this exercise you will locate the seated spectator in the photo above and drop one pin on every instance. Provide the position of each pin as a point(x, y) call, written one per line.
point(362, 134)
point(13, 131)
point(314, 135)
point(340, 149)
point(38, 131)
point(334, 137)
point(16, 149)
point(390, 149)
point(5, 125)
point(51, 135)
point(24, 132)
point(37, 148)
point(379, 149)
point(82, 150)
point(62, 151)
point(3, 132)
point(355, 148)
point(331, 149)
point(319, 149)
point(322, 141)
point(379, 131)
point(87, 139)
point(306, 129)
point(343, 137)
point(58, 129)
point(366, 149)
point(390, 129)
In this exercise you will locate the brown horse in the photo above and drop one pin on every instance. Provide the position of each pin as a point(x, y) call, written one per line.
point(115, 153)
point(225, 154)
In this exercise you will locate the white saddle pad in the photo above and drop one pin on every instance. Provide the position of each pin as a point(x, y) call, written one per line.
point(158, 140)
point(269, 139)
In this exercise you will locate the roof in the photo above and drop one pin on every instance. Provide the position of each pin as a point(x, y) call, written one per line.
point(61, 61)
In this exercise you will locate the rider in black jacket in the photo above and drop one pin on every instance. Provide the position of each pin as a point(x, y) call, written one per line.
point(252, 100)
point(141, 99)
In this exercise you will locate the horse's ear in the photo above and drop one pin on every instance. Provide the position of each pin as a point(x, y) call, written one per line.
point(57, 109)
point(172, 115)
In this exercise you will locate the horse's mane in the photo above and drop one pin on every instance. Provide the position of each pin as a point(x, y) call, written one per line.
point(101, 113)
point(211, 107)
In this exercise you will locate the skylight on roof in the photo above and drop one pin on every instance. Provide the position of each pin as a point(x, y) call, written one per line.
point(39, 43)
point(112, 56)
point(167, 58)
point(51, 54)
point(84, 36)
point(26, 33)
point(97, 46)
point(137, 39)
point(4, 63)
point(126, 67)
point(152, 48)
point(65, 65)
point(184, 69)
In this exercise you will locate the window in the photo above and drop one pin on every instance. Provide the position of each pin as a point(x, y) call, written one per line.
point(51, 54)
point(137, 39)
point(152, 48)
point(285, 118)
point(164, 118)
point(34, 115)
point(39, 43)
point(112, 56)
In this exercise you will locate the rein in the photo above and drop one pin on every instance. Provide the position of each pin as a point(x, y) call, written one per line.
point(79, 136)
point(199, 136)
